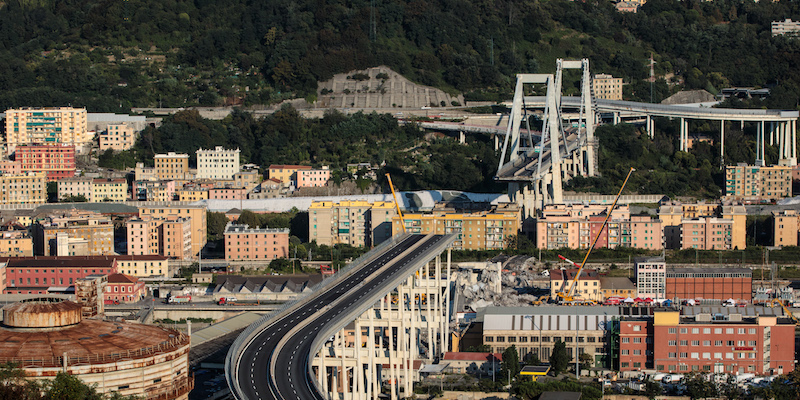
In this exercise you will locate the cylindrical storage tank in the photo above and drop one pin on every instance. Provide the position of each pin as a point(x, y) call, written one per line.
point(42, 313)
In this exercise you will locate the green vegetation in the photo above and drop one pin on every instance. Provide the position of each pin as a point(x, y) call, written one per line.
point(112, 55)
point(530, 390)
point(509, 367)
point(74, 199)
point(14, 385)
point(559, 359)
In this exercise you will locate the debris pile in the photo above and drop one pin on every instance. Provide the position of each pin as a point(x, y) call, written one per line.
point(503, 281)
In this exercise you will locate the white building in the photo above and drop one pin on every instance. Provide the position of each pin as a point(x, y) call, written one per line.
point(785, 27)
point(217, 164)
point(650, 274)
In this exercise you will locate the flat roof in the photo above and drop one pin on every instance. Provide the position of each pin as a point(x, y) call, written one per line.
point(710, 270)
point(551, 310)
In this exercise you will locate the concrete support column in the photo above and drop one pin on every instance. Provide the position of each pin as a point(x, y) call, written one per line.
point(323, 372)
point(793, 139)
point(496, 142)
point(684, 137)
point(722, 143)
point(617, 118)
point(772, 133)
point(371, 378)
point(345, 381)
point(358, 378)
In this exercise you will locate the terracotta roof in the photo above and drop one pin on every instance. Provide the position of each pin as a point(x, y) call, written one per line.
point(471, 356)
point(121, 278)
point(54, 261)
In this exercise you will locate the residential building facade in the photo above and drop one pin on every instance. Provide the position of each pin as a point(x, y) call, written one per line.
point(74, 187)
point(117, 137)
point(57, 161)
point(707, 233)
point(577, 226)
point(588, 284)
point(785, 228)
point(96, 229)
point(357, 223)
point(674, 214)
point(786, 27)
point(219, 163)
point(607, 87)
point(170, 166)
point(286, 174)
point(34, 275)
point(15, 241)
point(650, 274)
point(123, 288)
point(24, 188)
point(104, 189)
point(753, 183)
point(243, 243)
point(195, 214)
point(50, 126)
point(313, 177)
point(476, 231)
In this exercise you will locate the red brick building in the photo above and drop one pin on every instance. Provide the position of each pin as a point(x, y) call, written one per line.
point(709, 283)
point(58, 161)
point(722, 343)
point(124, 289)
point(25, 275)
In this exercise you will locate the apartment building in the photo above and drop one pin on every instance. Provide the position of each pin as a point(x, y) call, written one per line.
point(673, 215)
point(576, 226)
point(607, 87)
point(24, 188)
point(753, 183)
point(121, 288)
point(785, 228)
point(50, 126)
point(158, 190)
point(286, 174)
point(707, 233)
point(786, 27)
point(106, 189)
point(142, 173)
point(536, 330)
point(195, 214)
point(227, 193)
point(219, 163)
point(170, 237)
point(8, 167)
point(170, 166)
point(57, 161)
point(357, 223)
point(74, 187)
point(588, 284)
point(736, 342)
point(268, 189)
point(117, 137)
point(143, 265)
point(650, 274)
point(243, 243)
point(15, 241)
point(247, 179)
point(192, 194)
point(94, 228)
point(476, 231)
point(35, 275)
point(635, 343)
point(313, 177)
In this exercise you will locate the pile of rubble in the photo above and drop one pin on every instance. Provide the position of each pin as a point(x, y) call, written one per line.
point(503, 281)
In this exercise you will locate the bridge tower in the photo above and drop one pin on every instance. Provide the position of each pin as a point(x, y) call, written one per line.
point(535, 173)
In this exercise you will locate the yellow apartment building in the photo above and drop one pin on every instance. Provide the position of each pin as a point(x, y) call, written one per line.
point(476, 231)
point(287, 174)
point(673, 214)
point(607, 87)
point(16, 243)
point(171, 166)
point(117, 137)
point(194, 194)
point(24, 188)
point(753, 183)
point(58, 125)
point(142, 266)
point(786, 227)
point(109, 190)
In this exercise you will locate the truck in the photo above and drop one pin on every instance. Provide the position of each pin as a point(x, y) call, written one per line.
point(232, 301)
point(109, 302)
point(179, 299)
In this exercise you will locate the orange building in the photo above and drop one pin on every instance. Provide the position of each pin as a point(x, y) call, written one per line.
point(243, 243)
point(124, 289)
point(58, 161)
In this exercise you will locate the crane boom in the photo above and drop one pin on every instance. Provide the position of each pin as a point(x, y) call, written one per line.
point(396, 203)
point(568, 296)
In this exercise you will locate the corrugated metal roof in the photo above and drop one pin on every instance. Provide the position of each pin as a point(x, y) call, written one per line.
point(748, 311)
point(553, 310)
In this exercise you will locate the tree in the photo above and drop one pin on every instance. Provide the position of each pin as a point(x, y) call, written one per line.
point(52, 192)
point(69, 387)
point(250, 219)
point(532, 359)
point(509, 367)
point(216, 225)
point(652, 389)
point(586, 360)
point(698, 388)
point(74, 199)
point(559, 359)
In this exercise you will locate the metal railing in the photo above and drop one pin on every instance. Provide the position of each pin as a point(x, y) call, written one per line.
point(262, 323)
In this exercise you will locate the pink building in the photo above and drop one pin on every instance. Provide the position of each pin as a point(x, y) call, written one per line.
point(706, 233)
point(227, 193)
point(9, 167)
point(29, 275)
point(576, 226)
point(245, 243)
point(58, 161)
point(313, 177)
point(171, 238)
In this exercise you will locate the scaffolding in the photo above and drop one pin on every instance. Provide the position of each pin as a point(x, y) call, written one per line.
point(89, 294)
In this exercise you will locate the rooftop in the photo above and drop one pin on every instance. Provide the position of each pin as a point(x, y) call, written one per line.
point(558, 275)
point(608, 282)
point(472, 356)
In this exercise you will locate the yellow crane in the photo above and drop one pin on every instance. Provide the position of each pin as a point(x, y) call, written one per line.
point(396, 203)
point(568, 297)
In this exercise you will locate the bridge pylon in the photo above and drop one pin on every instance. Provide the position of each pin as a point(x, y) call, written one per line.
point(536, 172)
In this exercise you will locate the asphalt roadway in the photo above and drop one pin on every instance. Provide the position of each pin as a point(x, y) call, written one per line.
point(287, 341)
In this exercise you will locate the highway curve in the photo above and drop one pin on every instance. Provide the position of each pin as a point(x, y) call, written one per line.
point(274, 364)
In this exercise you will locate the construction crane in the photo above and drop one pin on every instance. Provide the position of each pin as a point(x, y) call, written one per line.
point(396, 203)
point(568, 297)
point(786, 310)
